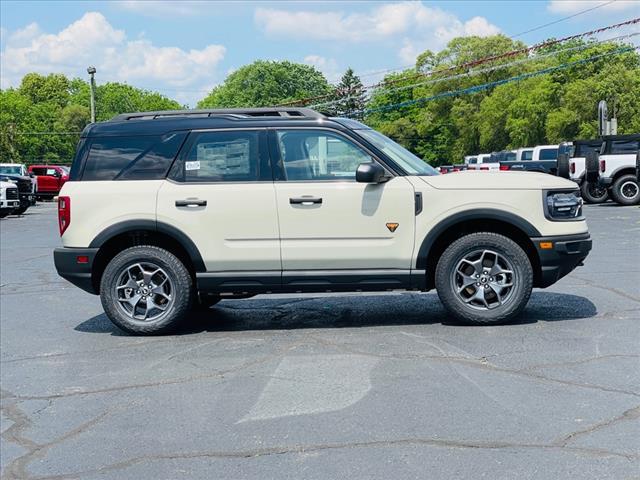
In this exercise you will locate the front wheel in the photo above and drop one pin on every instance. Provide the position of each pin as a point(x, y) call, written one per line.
point(484, 278)
point(146, 290)
point(593, 193)
point(626, 190)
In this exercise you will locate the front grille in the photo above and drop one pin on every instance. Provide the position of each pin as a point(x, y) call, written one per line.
point(12, 193)
point(24, 186)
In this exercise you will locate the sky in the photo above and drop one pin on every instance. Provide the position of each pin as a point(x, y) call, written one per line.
point(183, 49)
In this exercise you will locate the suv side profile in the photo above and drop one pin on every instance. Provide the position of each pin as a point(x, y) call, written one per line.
point(618, 168)
point(165, 211)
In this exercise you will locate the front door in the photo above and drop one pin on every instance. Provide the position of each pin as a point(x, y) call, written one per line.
point(328, 221)
point(220, 193)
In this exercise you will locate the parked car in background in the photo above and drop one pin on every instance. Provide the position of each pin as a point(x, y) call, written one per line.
point(50, 179)
point(9, 199)
point(618, 159)
point(592, 192)
point(26, 183)
point(483, 162)
point(544, 159)
point(524, 153)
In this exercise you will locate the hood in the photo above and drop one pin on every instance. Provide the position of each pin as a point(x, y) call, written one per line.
point(7, 184)
point(497, 180)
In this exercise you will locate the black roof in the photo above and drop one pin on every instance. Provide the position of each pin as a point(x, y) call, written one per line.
point(160, 122)
point(590, 142)
point(630, 136)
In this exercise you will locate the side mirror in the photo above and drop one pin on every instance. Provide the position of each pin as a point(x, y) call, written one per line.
point(370, 173)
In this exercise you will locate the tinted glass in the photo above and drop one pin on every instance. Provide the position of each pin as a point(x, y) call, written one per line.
point(622, 147)
point(510, 156)
point(39, 171)
point(319, 155)
point(527, 154)
point(473, 160)
point(131, 158)
point(581, 149)
point(225, 156)
point(548, 154)
point(155, 162)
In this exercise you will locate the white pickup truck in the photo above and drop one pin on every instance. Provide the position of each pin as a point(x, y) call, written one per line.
point(617, 170)
point(481, 161)
point(592, 192)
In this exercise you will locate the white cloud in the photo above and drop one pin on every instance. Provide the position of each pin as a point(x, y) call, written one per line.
point(328, 66)
point(575, 6)
point(92, 40)
point(411, 23)
point(163, 8)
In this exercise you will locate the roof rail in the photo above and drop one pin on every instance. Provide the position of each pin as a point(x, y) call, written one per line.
point(235, 112)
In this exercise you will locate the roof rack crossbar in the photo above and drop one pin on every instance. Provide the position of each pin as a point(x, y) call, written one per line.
point(234, 112)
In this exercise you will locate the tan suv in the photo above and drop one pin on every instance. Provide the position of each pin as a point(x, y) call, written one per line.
point(169, 210)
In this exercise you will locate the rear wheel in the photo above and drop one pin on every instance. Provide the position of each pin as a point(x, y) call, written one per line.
point(626, 190)
point(593, 193)
point(146, 290)
point(484, 278)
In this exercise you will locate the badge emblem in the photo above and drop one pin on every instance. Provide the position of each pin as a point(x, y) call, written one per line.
point(392, 227)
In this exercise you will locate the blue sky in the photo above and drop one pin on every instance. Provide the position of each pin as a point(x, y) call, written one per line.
point(183, 49)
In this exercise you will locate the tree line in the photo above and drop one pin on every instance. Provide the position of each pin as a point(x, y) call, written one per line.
point(40, 120)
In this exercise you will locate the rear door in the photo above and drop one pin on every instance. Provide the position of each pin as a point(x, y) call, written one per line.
point(220, 193)
point(328, 221)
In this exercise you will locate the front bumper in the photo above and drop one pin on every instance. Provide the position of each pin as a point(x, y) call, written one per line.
point(9, 204)
point(567, 252)
point(66, 262)
point(605, 181)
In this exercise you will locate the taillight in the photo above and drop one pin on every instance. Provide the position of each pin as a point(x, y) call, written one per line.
point(64, 213)
point(572, 167)
point(504, 167)
point(603, 165)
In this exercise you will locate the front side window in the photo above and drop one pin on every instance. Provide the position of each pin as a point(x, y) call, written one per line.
point(319, 155)
point(548, 154)
point(221, 156)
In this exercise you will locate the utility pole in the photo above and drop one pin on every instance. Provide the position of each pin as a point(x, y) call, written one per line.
point(92, 84)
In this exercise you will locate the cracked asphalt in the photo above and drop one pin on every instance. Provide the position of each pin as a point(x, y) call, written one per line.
point(322, 387)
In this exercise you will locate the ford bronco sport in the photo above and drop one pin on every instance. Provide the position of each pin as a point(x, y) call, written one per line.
point(165, 211)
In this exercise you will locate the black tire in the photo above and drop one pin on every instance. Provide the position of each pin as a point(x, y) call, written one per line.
point(4, 214)
point(592, 167)
point(204, 302)
point(20, 210)
point(593, 193)
point(181, 290)
point(563, 166)
point(515, 299)
point(626, 190)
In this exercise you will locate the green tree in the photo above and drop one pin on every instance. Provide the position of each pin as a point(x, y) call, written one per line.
point(51, 88)
point(267, 83)
point(350, 95)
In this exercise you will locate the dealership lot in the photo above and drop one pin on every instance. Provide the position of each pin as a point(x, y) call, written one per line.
point(379, 386)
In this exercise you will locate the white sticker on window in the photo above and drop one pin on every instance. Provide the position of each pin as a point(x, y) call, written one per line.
point(192, 165)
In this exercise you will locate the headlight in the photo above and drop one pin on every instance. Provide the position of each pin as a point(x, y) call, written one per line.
point(563, 205)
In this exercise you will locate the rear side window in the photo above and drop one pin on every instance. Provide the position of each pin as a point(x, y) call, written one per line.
point(527, 154)
point(473, 160)
point(223, 156)
point(131, 158)
point(548, 154)
point(622, 147)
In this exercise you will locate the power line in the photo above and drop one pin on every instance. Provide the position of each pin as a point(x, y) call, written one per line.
point(480, 71)
point(486, 86)
point(473, 63)
point(563, 19)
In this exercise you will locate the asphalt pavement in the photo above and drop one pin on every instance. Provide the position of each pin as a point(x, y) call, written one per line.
point(324, 387)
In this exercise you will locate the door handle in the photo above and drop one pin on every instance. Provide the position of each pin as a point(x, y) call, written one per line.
point(305, 200)
point(191, 202)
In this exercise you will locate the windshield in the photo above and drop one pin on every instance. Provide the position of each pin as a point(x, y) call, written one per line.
point(11, 169)
point(400, 155)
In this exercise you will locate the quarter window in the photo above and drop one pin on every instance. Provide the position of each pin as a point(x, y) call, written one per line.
point(319, 155)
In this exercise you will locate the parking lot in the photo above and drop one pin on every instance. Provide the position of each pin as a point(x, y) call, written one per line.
point(327, 386)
